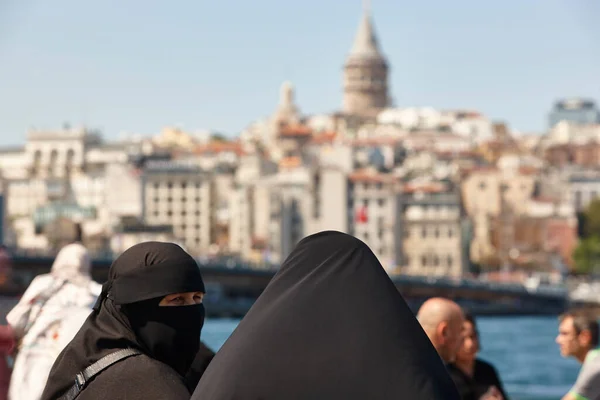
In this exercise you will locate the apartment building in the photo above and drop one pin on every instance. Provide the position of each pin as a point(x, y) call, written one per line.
point(432, 231)
point(181, 195)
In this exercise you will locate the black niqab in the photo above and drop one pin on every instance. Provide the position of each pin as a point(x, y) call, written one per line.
point(330, 325)
point(127, 315)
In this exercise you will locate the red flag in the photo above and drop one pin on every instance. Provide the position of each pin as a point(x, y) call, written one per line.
point(361, 215)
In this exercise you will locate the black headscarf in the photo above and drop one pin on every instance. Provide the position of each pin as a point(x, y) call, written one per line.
point(127, 314)
point(330, 325)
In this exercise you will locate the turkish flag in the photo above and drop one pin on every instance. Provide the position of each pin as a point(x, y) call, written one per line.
point(361, 215)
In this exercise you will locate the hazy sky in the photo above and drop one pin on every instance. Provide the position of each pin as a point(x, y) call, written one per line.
point(140, 65)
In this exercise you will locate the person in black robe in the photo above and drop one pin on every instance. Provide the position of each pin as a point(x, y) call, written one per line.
point(330, 325)
point(199, 365)
point(475, 379)
point(152, 303)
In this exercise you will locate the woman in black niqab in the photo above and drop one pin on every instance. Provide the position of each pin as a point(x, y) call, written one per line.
point(152, 303)
point(330, 325)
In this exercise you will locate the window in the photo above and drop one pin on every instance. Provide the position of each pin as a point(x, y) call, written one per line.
point(450, 261)
point(436, 232)
point(450, 232)
point(424, 261)
point(170, 185)
point(183, 213)
point(183, 185)
point(424, 232)
point(482, 185)
point(436, 261)
point(381, 202)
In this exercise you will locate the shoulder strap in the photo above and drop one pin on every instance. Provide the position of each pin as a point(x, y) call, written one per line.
point(83, 377)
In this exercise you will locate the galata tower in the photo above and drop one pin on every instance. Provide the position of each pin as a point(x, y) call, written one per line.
point(365, 73)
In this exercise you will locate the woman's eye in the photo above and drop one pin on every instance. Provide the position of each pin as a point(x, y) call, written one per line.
point(176, 300)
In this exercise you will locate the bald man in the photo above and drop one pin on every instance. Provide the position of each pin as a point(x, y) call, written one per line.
point(442, 320)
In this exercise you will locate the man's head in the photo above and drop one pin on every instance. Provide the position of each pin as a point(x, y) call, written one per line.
point(442, 320)
point(577, 334)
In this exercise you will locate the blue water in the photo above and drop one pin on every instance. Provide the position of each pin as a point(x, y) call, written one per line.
point(522, 349)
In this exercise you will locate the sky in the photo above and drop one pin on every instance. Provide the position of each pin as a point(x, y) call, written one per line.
point(137, 66)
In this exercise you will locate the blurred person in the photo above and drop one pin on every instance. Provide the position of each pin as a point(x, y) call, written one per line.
point(578, 338)
point(144, 332)
point(7, 344)
point(442, 320)
point(7, 337)
point(48, 315)
point(475, 379)
point(330, 325)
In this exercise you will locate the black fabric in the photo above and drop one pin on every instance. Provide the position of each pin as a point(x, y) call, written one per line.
point(170, 334)
point(199, 365)
point(108, 328)
point(330, 325)
point(157, 280)
point(85, 376)
point(484, 377)
point(136, 378)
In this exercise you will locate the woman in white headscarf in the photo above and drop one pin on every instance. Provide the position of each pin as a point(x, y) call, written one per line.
point(48, 316)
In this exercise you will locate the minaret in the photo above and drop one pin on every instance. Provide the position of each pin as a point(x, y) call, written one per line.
point(365, 72)
point(287, 111)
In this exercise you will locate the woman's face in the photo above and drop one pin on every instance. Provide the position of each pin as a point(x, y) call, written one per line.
point(181, 299)
point(470, 346)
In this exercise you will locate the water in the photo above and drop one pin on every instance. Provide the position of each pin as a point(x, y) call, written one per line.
point(521, 348)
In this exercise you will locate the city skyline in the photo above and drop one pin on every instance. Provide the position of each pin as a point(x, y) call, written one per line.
point(154, 66)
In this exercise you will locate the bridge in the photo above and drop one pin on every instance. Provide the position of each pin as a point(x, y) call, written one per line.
point(232, 287)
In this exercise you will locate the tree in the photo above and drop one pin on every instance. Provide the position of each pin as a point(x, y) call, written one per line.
point(587, 255)
point(218, 137)
point(591, 219)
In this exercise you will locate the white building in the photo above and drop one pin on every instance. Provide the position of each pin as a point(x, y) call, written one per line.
point(432, 228)
point(183, 196)
point(65, 172)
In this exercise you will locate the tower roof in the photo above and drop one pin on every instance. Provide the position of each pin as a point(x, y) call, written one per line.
point(366, 46)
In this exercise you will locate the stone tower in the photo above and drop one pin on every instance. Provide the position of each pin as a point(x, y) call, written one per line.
point(365, 73)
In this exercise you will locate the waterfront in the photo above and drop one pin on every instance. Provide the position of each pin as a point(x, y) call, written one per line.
point(521, 348)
